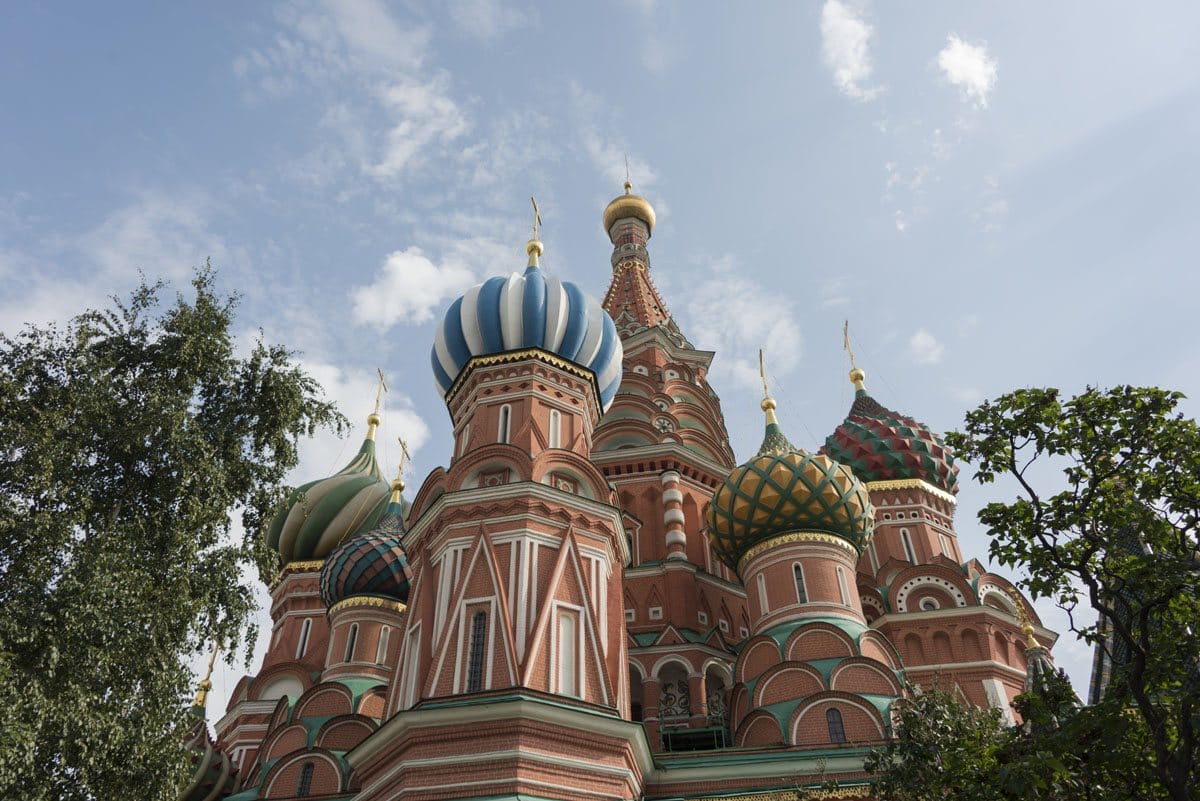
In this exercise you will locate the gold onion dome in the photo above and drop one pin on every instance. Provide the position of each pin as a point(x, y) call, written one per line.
point(629, 205)
point(321, 514)
point(784, 490)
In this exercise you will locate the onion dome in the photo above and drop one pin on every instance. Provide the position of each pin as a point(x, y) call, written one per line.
point(527, 311)
point(629, 205)
point(213, 775)
point(323, 513)
point(785, 489)
point(881, 445)
point(371, 563)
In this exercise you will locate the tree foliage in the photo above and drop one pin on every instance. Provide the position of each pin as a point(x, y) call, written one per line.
point(131, 437)
point(1105, 522)
point(946, 749)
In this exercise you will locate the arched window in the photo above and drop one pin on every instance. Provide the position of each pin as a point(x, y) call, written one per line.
point(505, 423)
point(762, 593)
point(351, 639)
point(385, 634)
point(945, 545)
point(837, 729)
point(475, 654)
point(874, 557)
point(568, 655)
point(801, 590)
point(305, 628)
point(906, 541)
point(304, 786)
point(845, 592)
point(555, 428)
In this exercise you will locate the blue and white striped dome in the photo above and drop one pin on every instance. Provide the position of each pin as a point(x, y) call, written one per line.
point(529, 311)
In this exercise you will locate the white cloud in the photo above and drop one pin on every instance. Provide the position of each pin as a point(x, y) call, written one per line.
point(970, 68)
point(835, 292)
point(487, 20)
point(607, 153)
point(408, 288)
point(162, 234)
point(750, 318)
point(845, 47)
point(924, 348)
point(423, 113)
point(381, 106)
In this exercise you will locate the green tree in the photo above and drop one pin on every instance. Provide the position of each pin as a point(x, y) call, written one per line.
point(942, 749)
point(1105, 522)
point(947, 749)
point(130, 438)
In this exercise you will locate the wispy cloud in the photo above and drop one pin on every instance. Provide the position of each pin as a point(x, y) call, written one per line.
point(924, 348)
point(408, 288)
point(753, 317)
point(846, 49)
point(159, 233)
point(605, 150)
point(398, 108)
point(488, 20)
point(968, 67)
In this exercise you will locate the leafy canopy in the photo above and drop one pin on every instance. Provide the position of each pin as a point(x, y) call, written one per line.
point(1106, 523)
point(130, 438)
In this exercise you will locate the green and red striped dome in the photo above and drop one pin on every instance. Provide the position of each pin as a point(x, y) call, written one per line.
point(879, 444)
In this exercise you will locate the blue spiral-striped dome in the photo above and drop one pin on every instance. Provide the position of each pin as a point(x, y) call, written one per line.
point(529, 311)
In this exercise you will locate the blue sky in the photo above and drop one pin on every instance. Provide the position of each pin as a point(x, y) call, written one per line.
point(994, 195)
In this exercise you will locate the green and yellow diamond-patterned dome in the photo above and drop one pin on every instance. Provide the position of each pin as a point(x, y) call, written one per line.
point(786, 489)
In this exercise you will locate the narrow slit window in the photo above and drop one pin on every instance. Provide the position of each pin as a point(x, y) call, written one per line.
point(475, 655)
point(305, 628)
point(842, 588)
point(555, 429)
point(801, 590)
point(385, 634)
point(505, 424)
point(906, 541)
point(568, 656)
point(351, 641)
point(304, 786)
point(837, 729)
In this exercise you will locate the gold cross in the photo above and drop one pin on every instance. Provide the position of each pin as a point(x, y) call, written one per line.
point(762, 373)
point(382, 389)
point(537, 217)
point(404, 456)
point(628, 180)
point(846, 343)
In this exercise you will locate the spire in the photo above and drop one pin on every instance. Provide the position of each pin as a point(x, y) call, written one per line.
point(205, 684)
point(534, 246)
point(774, 440)
point(373, 418)
point(398, 482)
point(632, 299)
point(857, 376)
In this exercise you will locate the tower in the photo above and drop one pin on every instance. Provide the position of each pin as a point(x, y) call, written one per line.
point(514, 631)
point(793, 524)
point(664, 447)
point(954, 622)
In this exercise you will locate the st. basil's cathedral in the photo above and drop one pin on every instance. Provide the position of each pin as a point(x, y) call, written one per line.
point(593, 600)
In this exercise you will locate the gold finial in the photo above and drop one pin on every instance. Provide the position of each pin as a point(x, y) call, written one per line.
point(398, 483)
point(373, 418)
point(857, 376)
point(534, 247)
point(628, 180)
point(205, 685)
point(768, 403)
point(1026, 623)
